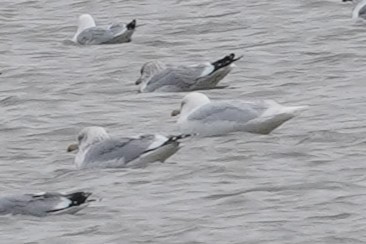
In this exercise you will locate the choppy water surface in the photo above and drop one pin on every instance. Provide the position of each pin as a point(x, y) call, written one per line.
point(303, 183)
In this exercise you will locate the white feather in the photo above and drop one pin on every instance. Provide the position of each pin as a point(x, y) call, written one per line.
point(64, 203)
point(38, 194)
point(158, 141)
point(207, 70)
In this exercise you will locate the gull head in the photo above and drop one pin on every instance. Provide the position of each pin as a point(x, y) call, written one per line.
point(85, 21)
point(191, 102)
point(87, 137)
point(148, 70)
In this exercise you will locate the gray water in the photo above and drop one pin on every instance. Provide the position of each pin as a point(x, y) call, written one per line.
point(304, 183)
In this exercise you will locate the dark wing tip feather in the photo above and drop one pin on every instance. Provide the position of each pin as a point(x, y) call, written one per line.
point(179, 137)
point(131, 25)
point(176, 138)
point(78, 198)
point(225, 61)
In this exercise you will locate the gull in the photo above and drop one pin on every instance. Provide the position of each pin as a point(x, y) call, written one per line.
point(97, 149)
point(159, 77)
point(89, 34)
point(199, 115)
point(43, 204)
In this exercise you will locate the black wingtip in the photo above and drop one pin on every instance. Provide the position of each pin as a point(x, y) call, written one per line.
point(131, 25)
point(179, 137)
point(175, 139)
point(78, 198)
point(227, 60)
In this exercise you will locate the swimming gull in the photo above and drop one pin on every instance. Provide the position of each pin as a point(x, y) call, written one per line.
point(359, 11)
point(201, 116)
point(89, 34)
point(96, 149)
point(157, 76)
point(44, 203)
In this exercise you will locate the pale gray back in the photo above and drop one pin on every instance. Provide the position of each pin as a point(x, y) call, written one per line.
point(122, 150)
point(181, 78)
point(98, 35)
point(37, 205)
point(224, 111)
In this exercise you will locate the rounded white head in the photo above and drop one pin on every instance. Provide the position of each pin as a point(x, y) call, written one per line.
point(85, 21)
point(90, 135)
point(191, 102)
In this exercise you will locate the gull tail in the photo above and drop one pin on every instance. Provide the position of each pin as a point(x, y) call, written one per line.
point(71, 203)
point(295, 110)
point(131, 25)
point(226, 61)
point(161, 152)
point(274, 117)
point(78, 198)
point(274, 108)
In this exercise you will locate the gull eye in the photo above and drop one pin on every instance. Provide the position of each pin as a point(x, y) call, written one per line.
point(142, 70)
point(80, 137)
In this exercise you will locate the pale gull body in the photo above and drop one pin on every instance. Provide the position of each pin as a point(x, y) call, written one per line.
point(359, 10)
point(158, 77)
point(96, 149)
point(200, 116)
point(44, 203)
point(89, 34)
